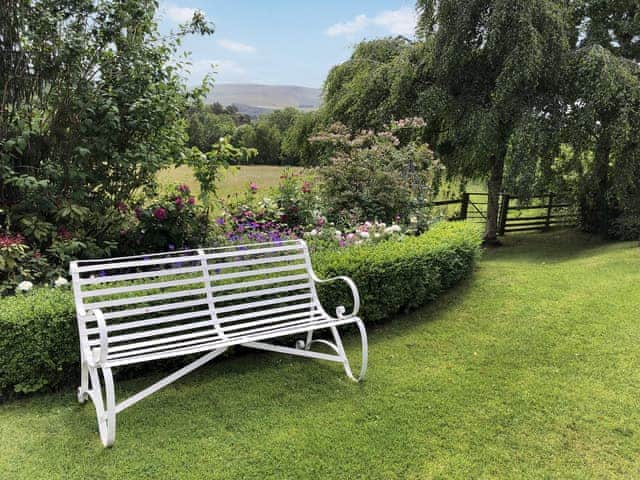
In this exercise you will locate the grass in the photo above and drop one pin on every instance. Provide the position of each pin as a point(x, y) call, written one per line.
point(530, 369)
point(236, 180)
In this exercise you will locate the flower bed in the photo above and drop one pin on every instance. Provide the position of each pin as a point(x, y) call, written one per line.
point(38, 336)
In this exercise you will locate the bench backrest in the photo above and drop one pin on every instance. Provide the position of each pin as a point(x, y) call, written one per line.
point(180, 299)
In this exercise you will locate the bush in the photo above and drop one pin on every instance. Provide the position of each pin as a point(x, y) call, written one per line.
point(38, 335)
point(398, 276)
point(38, 341)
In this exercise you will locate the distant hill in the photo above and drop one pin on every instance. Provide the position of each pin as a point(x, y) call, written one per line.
point(254, 99)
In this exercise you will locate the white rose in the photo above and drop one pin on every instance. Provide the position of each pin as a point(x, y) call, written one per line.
point(61, 282)
point(364, 234)
point(313, 232)
point(24, 286)
point(338, 233)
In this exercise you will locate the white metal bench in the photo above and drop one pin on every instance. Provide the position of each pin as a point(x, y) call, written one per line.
point(146, 308)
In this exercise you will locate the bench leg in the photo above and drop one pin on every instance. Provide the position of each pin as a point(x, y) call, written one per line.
point(345, 360)
point(105, 407)
point(83, 396)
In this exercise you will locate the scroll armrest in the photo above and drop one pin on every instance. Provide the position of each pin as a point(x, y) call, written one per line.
point(102, 332)
point(354, 291)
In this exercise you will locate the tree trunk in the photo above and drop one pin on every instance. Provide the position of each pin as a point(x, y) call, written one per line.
point(494, 185)
point(595, 205)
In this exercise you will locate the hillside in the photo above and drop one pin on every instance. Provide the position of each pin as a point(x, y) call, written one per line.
point(256, 99)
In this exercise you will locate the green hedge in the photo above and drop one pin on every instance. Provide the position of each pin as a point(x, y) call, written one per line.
point(398, 276)
point(38, 334)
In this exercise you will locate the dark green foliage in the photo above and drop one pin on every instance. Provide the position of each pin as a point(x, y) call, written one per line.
point(38, 334)
point(398, 276)
point(38, 341)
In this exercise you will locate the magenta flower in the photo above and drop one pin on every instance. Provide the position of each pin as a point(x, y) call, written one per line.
point(191, 201)
point(160, 213)
point(178, 201)
point(253, 187)
point(184, 188)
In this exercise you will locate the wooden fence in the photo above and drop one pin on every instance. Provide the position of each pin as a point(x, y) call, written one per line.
point(539, 212)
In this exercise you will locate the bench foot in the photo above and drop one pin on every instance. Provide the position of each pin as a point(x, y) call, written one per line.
point(104, 403)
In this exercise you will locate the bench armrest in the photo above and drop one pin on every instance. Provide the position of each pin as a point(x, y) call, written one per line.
point(354, 291)
point(102, 332)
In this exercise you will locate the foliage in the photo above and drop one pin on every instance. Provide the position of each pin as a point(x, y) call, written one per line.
point(38, 341)
point(373, 176)
point(374, 85)
point(173, 221)
point(92, 108)
point(493, 77)
point(208, 123)
point(397, 276)
point(614, 25)
point(38, 336)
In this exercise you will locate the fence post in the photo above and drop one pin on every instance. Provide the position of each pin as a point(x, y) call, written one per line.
point(504, 211)
point(464, 206)
point(549, 208)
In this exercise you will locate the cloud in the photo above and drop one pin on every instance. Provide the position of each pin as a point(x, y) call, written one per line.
point(359, 23)
point(236, 46)
point(397, 22)
point(179, 14)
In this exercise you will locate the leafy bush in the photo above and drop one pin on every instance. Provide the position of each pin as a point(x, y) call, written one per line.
point(38, 335)
point(172, 222)
point(378, 175)
point(38, 341)
point(398, 276)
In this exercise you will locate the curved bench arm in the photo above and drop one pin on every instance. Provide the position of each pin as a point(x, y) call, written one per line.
point(102, 332)
point(354, 291)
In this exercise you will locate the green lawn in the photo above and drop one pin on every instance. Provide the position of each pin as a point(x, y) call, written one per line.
point(236, 180)
point(530, 369)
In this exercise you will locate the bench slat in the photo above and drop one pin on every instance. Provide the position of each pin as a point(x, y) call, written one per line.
point(258, 283)
point(260, 293)
point(262, 303)
point(120, 302)
point(154, 309)
point(263, 271)
point(139, 288)
point(256, 261)
point(140, 275)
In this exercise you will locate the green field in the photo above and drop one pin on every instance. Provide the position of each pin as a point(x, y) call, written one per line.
point(528, 370)
point(235, 180)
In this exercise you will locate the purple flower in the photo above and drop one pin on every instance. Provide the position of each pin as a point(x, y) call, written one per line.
point(160, 213)
point(171, 246)
point(102, 273)
point(184, 188)
point(220, 221)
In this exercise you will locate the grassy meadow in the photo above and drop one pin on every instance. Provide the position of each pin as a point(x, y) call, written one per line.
point(530, 369)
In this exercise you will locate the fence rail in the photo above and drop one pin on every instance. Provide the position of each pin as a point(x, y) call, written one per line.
point(539, 212)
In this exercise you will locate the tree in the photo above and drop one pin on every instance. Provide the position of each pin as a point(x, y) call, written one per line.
point(371, 88)
point(494, 74)
point(92, 107)
point(296, 147)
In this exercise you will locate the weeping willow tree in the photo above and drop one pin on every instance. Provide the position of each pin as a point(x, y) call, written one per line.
point(494, 79)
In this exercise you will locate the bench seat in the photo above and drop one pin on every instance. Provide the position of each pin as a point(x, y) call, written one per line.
point(153, 307)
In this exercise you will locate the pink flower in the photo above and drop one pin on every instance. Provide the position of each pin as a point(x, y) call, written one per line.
point(122, 207)
point(306, 187)
point(253, 187)
point(178, 201)
point(191, 201)
point(160, 213)
point(184, 188)
point(64, 234)
point(138, 212)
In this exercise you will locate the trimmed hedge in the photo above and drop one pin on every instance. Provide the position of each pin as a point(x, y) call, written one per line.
point(39, 340)
point(398, 276)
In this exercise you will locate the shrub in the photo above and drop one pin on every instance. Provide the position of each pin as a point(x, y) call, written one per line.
point(377, 176)
point(38, 336)
point(398, 276)
point(38, 341)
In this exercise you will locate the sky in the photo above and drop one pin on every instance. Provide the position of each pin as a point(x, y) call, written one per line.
point(283, 42)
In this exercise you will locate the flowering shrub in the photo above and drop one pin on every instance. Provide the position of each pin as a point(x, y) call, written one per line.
point(172, 222)
point(251, 218)
point(328, 237)
point(297, 197)
point(378, 175)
